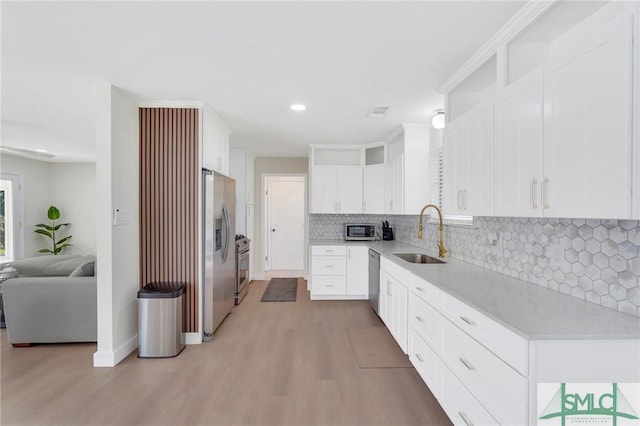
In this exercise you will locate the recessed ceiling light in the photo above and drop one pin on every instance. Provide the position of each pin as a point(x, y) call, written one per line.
point(298, 107)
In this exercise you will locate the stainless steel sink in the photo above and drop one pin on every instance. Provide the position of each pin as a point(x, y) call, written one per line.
point(418, 258)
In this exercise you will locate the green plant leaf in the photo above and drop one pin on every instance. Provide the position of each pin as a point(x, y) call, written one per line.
point(45, 251)
point(60, 226)
point(63, 240)
point(47, 227)
point(53, 213)
point(43, 232)
point(59, 248)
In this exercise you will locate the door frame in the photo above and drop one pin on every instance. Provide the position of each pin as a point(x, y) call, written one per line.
point(265, 215)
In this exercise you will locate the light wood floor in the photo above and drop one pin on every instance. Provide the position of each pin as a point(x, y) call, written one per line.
point(269, 364)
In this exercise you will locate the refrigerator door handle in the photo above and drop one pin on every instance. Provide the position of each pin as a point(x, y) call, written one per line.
point(226, 228)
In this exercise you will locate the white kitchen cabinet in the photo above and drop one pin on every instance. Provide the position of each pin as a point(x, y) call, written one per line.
point(358, 271)
point(336, 189)
point(394, 303)
point(588, 134)
point(373, 186)
point(518, 147)
point(468, 163)
point(339, 272)
point(215, 141)
point(408, 176)
point(241, 165)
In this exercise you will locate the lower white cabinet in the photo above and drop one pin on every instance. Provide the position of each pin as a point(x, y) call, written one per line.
point(460, 405)
point(394, 301)
point(339, 272)
point(358, 271)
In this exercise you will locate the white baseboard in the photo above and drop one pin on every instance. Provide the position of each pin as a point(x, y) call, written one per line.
point(192, 338)
point(341, 297)
point(111, 359)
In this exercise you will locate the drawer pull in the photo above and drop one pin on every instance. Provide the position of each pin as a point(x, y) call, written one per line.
point(419, 318)
point(419, 288)
point(467, 364)
point(419, 357)
point(329, 251)
point(468, 321)
point(465, 419)
point(329, 285)
point(328, 266)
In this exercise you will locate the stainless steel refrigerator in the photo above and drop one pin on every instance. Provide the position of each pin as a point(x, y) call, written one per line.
point(218, 275)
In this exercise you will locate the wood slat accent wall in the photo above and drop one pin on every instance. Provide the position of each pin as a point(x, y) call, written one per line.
point(169, 179)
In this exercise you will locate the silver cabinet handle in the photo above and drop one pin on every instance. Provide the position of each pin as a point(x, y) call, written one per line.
point(419, 357)
point(329, 285)
point(464, 199)
point(391, 205)
point(458, 199)
point(328, 266)
point(419, 288)
point(329, 251)
point(532, 198)
point(468, 321)
point(419, 318)
point(465, 419)
point(543, 198)
point(467, 364)
point(388, 288)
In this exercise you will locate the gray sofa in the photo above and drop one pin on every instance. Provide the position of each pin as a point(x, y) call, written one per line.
point(53, 300)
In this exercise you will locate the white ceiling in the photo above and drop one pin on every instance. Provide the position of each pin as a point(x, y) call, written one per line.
point(249, 61)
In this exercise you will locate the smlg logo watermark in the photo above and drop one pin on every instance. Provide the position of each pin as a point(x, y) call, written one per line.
point(562, 404)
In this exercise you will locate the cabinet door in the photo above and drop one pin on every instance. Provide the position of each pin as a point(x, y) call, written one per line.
point(394, 188)
point(454, 164)
point(588, 125)
point(518, 147)
point(400, 308)
point(324, 189)
point(477, 193)
point(384, 302)
point(349, 188)
point(373, 189)
point(358, 271)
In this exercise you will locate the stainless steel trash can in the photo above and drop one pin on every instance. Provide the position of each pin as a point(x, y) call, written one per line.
point(160, 320)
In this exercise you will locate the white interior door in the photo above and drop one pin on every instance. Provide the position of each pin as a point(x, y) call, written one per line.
point(285, 221)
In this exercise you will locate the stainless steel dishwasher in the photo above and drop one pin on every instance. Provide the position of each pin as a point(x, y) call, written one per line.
point(374, 279)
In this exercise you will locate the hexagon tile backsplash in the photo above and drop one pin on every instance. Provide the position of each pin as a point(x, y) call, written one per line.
point(590, 259)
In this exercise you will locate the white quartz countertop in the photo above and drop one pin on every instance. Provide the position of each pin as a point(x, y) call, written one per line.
point(533, 312)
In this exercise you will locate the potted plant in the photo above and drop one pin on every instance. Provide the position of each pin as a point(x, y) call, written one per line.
point(50, 231)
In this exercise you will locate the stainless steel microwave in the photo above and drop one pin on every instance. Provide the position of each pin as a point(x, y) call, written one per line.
point(359, 232)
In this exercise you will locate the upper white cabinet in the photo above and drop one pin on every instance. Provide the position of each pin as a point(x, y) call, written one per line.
point(565, 95)
point(215, 141)
point(336, 189)
point(518, 147)
point(468, 163)
point(241, 165)
point(408, 174)
point(588, 125)
point(373, 189)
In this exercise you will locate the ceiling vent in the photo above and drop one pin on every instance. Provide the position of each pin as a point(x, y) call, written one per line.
point(378, 111)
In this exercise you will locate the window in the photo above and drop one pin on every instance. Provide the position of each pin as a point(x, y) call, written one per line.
point(437, 189)
point(10, 222)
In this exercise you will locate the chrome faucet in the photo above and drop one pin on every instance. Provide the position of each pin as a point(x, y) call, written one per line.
point(441, 249)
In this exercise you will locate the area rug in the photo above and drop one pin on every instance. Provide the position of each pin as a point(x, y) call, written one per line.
point(281, 290)
point(374, 347)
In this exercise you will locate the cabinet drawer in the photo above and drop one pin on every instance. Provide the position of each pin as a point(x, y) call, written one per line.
point(501, 389)
point(328, 265)
point(328, 286)
point(461, 407)
point(396, 271)
point(503, 342)
point(426, 362)
point(328, 251)
point(424, 290)
point(425, 321)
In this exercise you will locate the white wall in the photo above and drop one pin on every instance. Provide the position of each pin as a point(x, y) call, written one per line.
point(117, 246)
point(73, 191)
point(269, 165)
point(69, 186)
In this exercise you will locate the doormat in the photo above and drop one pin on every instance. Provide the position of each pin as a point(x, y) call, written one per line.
point(374, 347)
point(281, 290)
